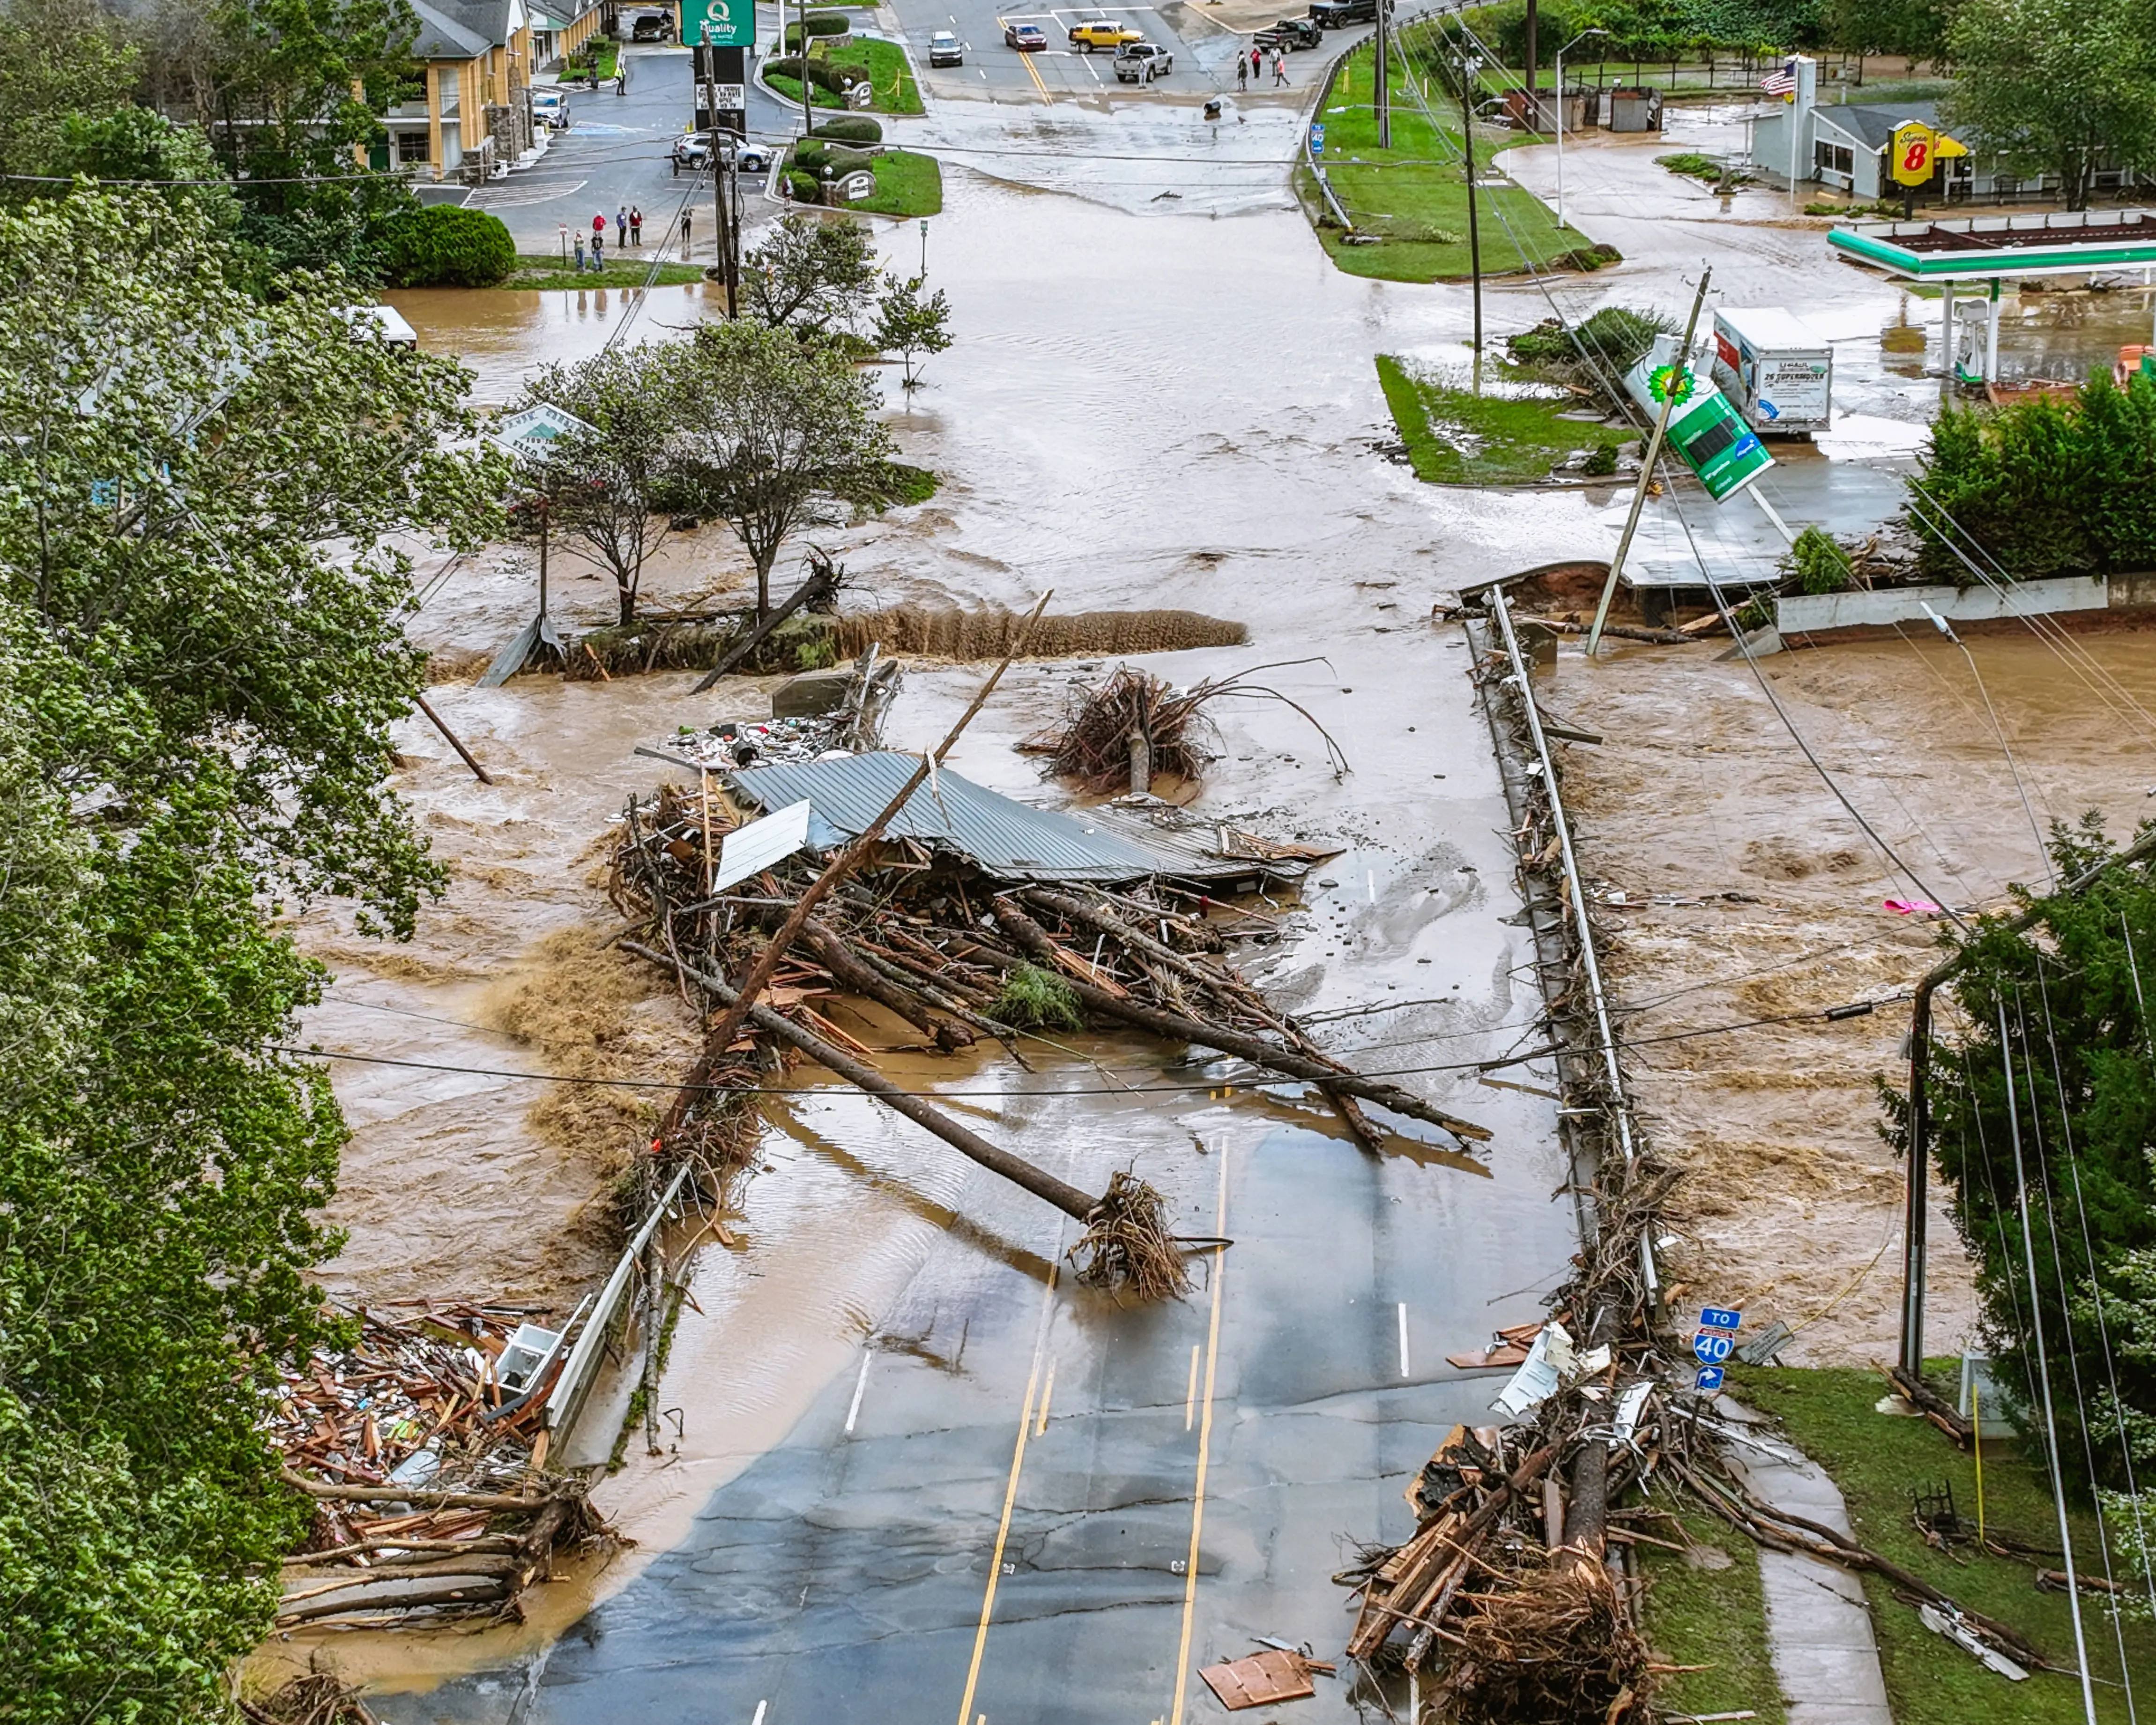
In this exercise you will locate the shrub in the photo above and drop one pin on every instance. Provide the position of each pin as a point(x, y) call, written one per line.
point(853, 128)
point(1034, 999)
point(1818, 564)
point(440, 245)
point(822, 24)
point(1616, 339)
point(806, 188)
point(1601, 461)
point(811, 158)
point(823, 76)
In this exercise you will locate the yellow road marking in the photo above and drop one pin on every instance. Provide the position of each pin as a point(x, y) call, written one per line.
point(1047, 1391)
point(1033, 72)
point(1190, 1395)
point(1011, 1497)
point(1204, 1450)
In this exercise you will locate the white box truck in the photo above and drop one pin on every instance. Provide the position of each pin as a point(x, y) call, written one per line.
point(1775, 370)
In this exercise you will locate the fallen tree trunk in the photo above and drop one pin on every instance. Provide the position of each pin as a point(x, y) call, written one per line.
point(417, 1499)
point(1061, 1193)
point(849, 972)
point(1029, 935)
point(822, 582)
point(398, 1593)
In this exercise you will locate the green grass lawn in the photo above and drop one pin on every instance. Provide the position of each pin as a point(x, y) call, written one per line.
point(1455, 436)
point(1876, 1459)
point(906, 185)
point(545, 270)
point(1413, 196)
point(1705, 1608)
point(885, 64)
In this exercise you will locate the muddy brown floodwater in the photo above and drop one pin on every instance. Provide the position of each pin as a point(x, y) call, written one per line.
point(1698, 790)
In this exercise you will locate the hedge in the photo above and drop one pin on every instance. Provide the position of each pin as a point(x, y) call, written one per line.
point(819, 75)
point(823, 24)
point(851, 128)
point(442, 246)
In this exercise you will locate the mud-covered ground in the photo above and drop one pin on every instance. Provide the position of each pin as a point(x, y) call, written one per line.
point(1751, 894)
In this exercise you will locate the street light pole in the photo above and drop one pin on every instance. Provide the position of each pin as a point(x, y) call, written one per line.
point(1561, 53)
point(1470, 65)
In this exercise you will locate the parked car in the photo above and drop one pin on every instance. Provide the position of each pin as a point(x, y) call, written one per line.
point(1142, 62)
point(1024, 37)
point(650, 26)
point(1290, 32)
point(1103, 32)
point(551, 109)
point(693, 150)
point(944, 49)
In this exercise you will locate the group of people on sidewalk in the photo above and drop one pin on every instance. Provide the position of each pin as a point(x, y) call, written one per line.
point(1251, 68)
point(628, 231)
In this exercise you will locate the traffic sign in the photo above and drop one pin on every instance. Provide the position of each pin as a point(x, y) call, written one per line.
point(1721, 1317)
point(1317, 137)
point(1711, 1347)
point(1708, 1378)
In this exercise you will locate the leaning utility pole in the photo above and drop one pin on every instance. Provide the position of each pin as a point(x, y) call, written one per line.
point(1652, 450)
point(1381, 94)
point(801, 48)
point(1532, 119)
point(1470, 66)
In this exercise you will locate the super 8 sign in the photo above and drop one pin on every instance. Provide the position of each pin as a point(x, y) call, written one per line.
point(1910, 151)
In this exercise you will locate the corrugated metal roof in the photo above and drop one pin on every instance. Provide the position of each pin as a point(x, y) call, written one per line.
point(1009, 840)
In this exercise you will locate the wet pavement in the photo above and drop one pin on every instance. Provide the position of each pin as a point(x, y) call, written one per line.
point(1155, 401)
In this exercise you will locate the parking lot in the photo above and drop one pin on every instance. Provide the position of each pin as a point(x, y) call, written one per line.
point(1203, 51)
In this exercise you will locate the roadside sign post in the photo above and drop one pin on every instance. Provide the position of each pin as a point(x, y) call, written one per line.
point(924, 247)
point(1317, 137)
point(1715, 1343)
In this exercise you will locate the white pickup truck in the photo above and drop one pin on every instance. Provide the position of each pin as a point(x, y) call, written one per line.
point(1142, 62)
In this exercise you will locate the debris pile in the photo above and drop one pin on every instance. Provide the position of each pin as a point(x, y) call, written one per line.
point(1136, 724)
point(423, 1447)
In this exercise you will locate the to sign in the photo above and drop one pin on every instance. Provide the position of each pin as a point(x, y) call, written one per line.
point(1711, 1347)
point(1721, 1317)
point(1317, 138)
point(1708, 1378)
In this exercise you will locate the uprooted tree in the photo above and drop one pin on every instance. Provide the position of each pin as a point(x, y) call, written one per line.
point(200, 662)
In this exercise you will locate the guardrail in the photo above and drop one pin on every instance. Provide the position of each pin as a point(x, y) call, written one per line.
point(574, 1385)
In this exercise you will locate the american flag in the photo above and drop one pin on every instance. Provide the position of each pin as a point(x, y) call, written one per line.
point(1781, 83)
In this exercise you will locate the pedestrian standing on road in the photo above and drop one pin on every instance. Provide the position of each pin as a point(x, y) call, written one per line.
point(621, 227)
point(621, 78)
point(580, 252)
point(598, 227)
point(598, 250)
point(635, 225)
point(1257, 63)
point(685, 233)
point(1242, 73)
point(1280, 67)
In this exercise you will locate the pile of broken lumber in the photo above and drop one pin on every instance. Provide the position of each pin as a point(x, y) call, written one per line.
point(958, 956)
point(424, 1464)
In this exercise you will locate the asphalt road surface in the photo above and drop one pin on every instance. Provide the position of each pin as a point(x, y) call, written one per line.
point(1201, 48)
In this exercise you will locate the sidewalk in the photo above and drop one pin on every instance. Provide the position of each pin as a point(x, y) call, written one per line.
point(1818, 1624)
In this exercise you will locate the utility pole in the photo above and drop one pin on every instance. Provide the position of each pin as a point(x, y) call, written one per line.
point(723, 160)
point(1647, 463)
point(1381, 94)
point(1533, 116)
point(1470, 66)
point(807, 125)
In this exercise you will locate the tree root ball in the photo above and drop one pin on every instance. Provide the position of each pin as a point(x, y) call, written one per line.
point(1127, 1247)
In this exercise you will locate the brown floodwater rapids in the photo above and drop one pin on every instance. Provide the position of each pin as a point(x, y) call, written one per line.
point(1158, 411)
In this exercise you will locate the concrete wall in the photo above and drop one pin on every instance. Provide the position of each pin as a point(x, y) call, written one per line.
point(1813, 614)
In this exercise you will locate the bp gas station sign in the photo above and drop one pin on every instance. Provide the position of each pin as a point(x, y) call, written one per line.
point(1704, 430)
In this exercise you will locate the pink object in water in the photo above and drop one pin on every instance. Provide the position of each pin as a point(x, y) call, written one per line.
point(1912, 906)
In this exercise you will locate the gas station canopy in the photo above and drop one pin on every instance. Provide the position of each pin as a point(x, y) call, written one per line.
point(1985, 247)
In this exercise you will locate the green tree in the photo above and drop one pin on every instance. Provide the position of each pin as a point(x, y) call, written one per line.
point(813, 275)
point(2073, 991)
point(775, 434)
point(57, 61)
point(606, 490)
point(909, 324)
point(2056, 86)
point(201, 500)
point(1916, 29)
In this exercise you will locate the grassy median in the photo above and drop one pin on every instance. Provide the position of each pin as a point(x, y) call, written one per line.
point(906, 185)
point(545, 270)
point(1411, 200)
point(1878, 1460)
point(1506, 433)
point(884, 62)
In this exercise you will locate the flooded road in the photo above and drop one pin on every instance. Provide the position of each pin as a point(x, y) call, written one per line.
point(886, 1403)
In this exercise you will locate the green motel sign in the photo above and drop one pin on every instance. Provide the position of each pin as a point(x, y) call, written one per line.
point(1704, 430)
point(732, 21)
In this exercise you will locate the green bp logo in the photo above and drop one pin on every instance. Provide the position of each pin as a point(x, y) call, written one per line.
point(1670, 383)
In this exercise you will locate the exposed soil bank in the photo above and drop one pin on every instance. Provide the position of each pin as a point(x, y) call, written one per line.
point(1698, 790)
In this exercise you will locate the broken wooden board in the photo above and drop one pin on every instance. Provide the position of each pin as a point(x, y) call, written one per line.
point(1259, 1680)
